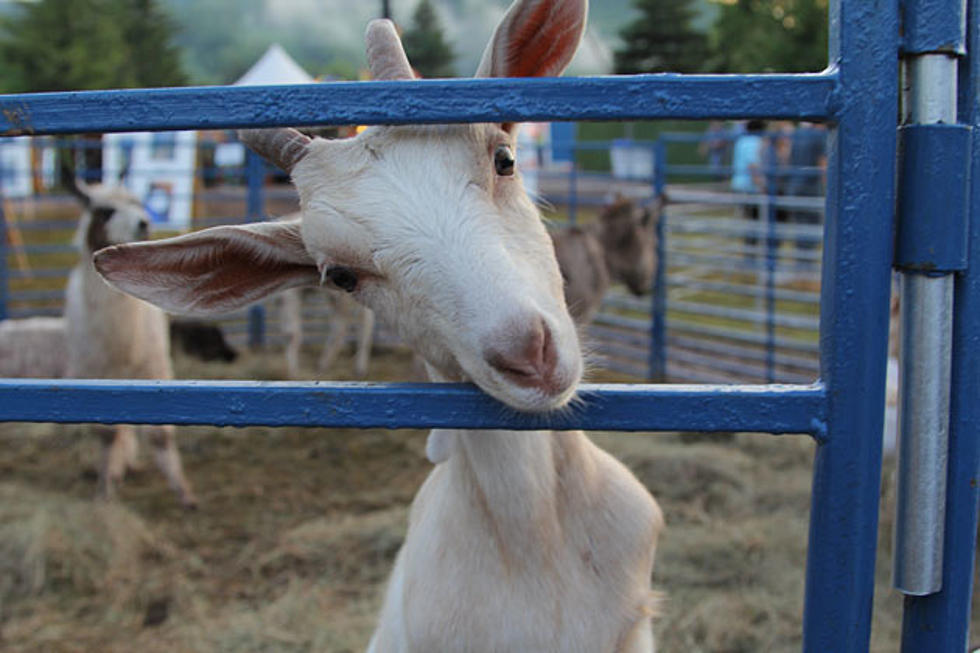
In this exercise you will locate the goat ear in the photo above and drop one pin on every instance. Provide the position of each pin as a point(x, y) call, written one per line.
point(211, 271)
point(536, 38)
point(385, 54)
point(77, 188)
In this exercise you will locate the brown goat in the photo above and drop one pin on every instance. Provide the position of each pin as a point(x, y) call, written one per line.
point(621, 247)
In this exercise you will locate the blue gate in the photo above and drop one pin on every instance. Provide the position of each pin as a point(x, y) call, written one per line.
point(858, 96)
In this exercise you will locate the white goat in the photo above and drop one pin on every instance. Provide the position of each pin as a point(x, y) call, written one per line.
point(113, 335)
point(34, 347)
point(517, 541)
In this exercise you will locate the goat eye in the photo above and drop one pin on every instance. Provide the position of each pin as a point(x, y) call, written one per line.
point(503, 160)
point(343, 278)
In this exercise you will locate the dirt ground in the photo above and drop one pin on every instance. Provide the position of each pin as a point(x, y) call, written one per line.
point(298, 528)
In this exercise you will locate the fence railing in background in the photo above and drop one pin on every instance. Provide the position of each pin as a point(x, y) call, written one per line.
point(681, 333)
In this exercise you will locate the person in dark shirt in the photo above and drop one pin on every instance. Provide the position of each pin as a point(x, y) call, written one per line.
point(808, 165)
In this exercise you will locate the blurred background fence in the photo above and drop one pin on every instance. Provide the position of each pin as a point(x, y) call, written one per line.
point(735, 295)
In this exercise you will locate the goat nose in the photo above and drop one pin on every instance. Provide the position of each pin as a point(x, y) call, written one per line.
point(526, 356)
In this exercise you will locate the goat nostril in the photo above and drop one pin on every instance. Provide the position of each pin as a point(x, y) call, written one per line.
point(549, 355)
point(531, 359)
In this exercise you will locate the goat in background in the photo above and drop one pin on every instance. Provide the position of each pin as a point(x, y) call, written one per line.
point(113, 335)
point(33, 347)
point(620, 247)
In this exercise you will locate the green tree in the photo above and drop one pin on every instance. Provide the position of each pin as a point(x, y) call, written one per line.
point(425, 45)
point(221, 56)
point(66, 45)
point(770, 36)
point(661, 39)
point(148, 32)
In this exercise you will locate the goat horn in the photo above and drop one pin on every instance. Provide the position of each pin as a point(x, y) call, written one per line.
point(385, 54)
point(284, 147)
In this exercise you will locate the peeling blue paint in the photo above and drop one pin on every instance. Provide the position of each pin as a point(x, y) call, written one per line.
point(639, 97)
point(853, 327)
point(611, 407)
point(934, 27)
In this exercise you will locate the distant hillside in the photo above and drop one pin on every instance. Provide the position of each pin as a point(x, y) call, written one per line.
point(222, 38)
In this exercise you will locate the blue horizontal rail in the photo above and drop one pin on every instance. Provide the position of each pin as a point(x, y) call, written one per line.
point(638, 97)
point(40, 273)
point(36, 295)
point(765, 408)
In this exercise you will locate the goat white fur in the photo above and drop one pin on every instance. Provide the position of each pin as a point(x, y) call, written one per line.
point(517, 541)
point(112, 335)
point(620, 247)
point(33, 347)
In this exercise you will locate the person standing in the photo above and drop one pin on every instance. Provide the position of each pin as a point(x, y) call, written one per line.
point(748, 175)
point(808, 165)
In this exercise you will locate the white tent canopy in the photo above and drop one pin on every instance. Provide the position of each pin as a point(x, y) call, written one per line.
point(275, 67)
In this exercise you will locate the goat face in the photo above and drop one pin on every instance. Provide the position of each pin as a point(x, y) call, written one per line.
point(431, 228)
point(428, 226)
point(112, 216)
point(628, 237)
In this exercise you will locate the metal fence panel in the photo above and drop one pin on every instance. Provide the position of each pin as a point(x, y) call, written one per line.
point(843, 412)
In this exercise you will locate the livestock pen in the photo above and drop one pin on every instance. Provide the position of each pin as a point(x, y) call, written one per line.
point(842, 411)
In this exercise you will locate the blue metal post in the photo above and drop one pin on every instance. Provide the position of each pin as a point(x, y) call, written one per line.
point(573, 187)
point(4, 272)
point(929, 128)
point(658, 325)
point(255, 177)
point(853, 328)
point(772, 182)
point(941, 621)
point(659, 167)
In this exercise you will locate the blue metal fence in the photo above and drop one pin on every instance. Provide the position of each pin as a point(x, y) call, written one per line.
point(940, 621)
point(857, 95)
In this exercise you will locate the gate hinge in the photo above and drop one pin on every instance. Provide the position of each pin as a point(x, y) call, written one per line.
point(929, 27)
point(933, 191)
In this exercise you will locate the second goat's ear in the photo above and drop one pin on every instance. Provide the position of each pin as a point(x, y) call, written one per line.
point(211, 271)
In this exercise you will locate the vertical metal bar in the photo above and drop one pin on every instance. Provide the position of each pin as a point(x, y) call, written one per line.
point(771, 246)
point(573, 185)
point(924, 370)
point(659, 167)
point(941, 621)
point(254, 178)
point(4, 260)
point(658, 326)
point(853, 327)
